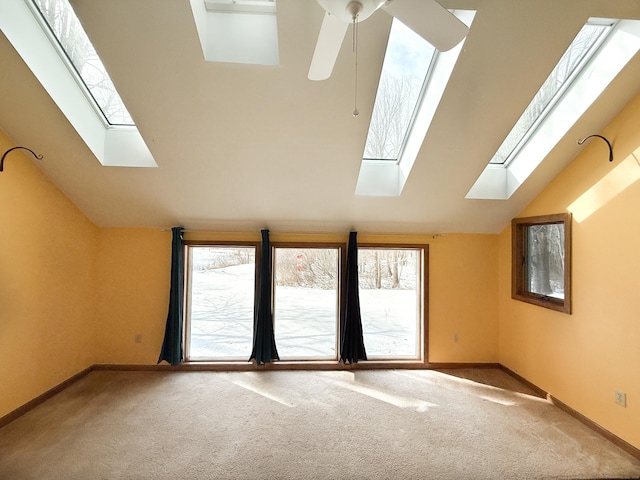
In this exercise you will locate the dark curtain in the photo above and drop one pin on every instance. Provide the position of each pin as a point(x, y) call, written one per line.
point(172, 345)
point(264, 342)
point(352, 348)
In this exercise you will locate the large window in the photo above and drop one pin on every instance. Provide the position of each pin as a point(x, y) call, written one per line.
point(220, 298)
point(541, 261)
point(390, 301)
point(307, 300)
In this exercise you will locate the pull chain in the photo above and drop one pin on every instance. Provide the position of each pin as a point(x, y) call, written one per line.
point(355, 50)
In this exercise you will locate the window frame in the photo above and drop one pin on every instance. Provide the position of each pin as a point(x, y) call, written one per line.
point(519, 290)
point(422, 298)
point(186, 331)
point(606, 27)
point(58, 43)
point(382, 178)
point(340, 289)
point(420, 361)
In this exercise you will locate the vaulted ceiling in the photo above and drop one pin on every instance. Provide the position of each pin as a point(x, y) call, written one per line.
point(240, 147)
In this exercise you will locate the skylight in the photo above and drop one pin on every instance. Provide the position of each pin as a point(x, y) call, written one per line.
point(567, 68)
point(412, 82)
point(237, 31)
point(404, 70)
point(248, 6)
point(80, 53)
point(93, 109)
point(599, 52)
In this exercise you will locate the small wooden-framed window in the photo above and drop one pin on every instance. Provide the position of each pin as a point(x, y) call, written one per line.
point(541, 261)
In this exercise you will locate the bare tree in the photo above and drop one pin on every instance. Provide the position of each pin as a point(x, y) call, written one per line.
point(395, 103)
point(546, 259)
point(307, 267)
point(385, 268)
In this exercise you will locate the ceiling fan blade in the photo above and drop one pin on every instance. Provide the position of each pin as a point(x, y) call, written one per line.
point(430, 20)
point(328, 46)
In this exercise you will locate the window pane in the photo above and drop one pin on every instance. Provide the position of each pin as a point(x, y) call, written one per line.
point(545, 259)
point(551, 89)
point(306, 302)
point(404, 70)
point(75, 43)
point(389, 301)
point(221, 291)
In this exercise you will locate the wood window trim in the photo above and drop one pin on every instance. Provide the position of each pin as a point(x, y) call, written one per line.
point(186, 327)
point(518, 262)
point(341, 249)
point(423, 248)
point(383, 362)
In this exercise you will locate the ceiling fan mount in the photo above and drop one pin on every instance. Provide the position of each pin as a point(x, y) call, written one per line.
point(350, 10)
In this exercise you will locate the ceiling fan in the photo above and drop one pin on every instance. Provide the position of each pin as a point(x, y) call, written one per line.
point(427, 18)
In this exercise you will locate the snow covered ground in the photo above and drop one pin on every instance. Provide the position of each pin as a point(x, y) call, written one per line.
point(305, 319)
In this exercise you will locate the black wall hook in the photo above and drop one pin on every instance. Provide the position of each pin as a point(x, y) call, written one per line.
point(39, 157)
point(580, 142)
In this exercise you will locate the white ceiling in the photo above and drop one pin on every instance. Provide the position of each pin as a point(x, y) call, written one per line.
point(241, 147)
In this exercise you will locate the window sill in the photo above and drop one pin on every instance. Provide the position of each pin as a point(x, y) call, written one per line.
point(545, 302)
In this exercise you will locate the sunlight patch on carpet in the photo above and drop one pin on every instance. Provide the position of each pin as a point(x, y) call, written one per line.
point(250, 384)
point(479, 390)
point(348, 382)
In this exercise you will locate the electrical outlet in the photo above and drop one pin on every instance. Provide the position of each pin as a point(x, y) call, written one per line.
point(138, 338)
point(455, 338)
point(621, 398)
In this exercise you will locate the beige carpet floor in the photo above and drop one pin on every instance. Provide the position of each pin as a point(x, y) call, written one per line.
point(391, 424)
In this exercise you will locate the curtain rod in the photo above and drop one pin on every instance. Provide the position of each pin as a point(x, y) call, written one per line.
point(310, 233)
point(256, 232)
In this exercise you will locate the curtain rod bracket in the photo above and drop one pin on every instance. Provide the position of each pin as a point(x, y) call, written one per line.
point(580, 142)
point(39, 157)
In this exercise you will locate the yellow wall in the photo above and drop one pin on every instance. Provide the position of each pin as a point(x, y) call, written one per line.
point(583, 358)
point(463, 299)
point(47, 278)
point(71, 294)
point(134, 267)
